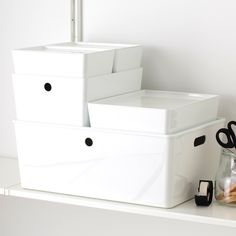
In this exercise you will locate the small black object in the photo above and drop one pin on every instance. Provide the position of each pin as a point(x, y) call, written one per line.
point(199, 140)
point(48, 87)
point(89, 142)
point(204, 199)
point(230, 136)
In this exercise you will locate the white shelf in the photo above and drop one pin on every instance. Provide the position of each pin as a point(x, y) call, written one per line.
point(215, 214)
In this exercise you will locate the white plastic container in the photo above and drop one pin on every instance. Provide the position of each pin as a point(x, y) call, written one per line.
point(141, 168)
point(64, 99)
point(61, 61)
point(153, 111)
point(127, 56)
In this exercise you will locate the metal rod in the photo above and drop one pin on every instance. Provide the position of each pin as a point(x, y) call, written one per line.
point(76, 20)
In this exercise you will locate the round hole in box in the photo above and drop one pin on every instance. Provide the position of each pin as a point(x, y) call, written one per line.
point(89, 142)
point(48, 87)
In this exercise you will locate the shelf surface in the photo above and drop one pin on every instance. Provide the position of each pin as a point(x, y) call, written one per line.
point(215, 214)
point(9, 173)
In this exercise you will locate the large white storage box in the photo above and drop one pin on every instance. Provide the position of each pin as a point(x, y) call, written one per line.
point(140, 168)
point(127, 56)
point(60, 61)
point(153, 111)
point(64, 99)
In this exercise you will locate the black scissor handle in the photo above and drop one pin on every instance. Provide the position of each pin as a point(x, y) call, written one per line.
point(231, 131)
point(230, 136)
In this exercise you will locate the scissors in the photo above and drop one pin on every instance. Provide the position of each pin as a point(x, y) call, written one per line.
point(230, 136)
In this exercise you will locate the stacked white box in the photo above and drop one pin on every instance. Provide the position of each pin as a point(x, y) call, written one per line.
point(52, 86)
point(162, 112)
point(141, 168)
point(53, 83)
point(66, 102)
point(126, 56)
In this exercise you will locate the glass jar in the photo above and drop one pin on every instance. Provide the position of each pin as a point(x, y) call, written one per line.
point(225, 187)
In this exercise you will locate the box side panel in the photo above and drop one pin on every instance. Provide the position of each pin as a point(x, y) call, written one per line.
point(63, 103)
point(127, 118)
point(53, 64)
point(114, 84)
point(127, 58)
point(196, 156)
point(160, 171)
point(111, 166)
point(193, 115)
point(99, 63)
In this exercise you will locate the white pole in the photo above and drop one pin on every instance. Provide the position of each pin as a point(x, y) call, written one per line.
point(76, 20)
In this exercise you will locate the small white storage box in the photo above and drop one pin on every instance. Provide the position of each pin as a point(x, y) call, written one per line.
point(140, 168)
point(127, 56)
point(64, 99)
point(153, 111)
point(61, 61)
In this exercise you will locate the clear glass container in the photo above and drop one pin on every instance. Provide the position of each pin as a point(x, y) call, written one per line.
point(225, 187)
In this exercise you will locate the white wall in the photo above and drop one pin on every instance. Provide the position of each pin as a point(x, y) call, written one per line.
point(189, 45)
point(25, 23)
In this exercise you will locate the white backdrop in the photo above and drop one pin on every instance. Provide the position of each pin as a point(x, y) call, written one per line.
point(25, 23)
point(189, 45)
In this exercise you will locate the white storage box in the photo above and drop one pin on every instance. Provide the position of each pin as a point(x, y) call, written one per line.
point(140, 168)
point(64, 99)
point(153, 111)
point(127, 56)
point(61, 61)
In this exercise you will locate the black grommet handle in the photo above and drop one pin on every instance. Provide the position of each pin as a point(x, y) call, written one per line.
point(48, 87)
point(89, 142)
point(199, 140)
